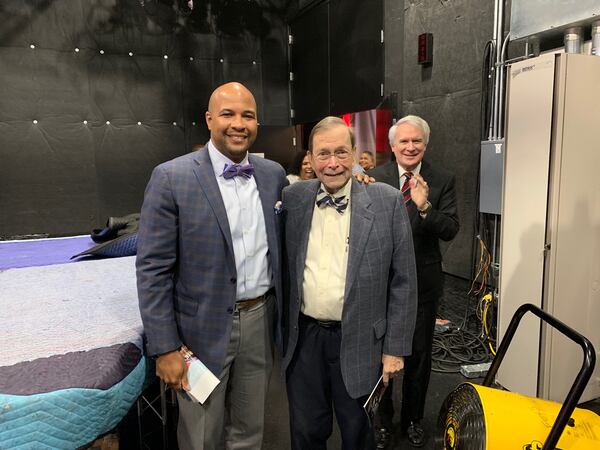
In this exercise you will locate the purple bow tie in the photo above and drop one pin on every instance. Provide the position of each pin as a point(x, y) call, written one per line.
point(237, 170)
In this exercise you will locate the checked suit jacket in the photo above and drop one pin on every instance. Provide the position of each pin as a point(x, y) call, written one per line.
point(186, 273)
point(380, 298)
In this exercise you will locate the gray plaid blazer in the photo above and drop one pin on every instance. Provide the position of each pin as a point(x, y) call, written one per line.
point(380, 299)
point(186, 275)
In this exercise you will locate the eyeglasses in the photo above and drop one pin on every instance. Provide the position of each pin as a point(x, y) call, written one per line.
point(341, 155)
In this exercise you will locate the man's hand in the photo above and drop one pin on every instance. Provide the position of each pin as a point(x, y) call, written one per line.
point(363, 178)
point(419, 191)
point(391, 366)
point(171, 368)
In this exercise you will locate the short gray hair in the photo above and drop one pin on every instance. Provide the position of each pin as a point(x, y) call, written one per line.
point(415, 121)
point(327, 124)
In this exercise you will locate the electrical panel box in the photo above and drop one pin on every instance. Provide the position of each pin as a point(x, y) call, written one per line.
point(490, 179)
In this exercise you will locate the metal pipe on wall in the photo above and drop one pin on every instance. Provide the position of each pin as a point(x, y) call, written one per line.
point(498, 74)
point(502, 81)
point(492, 134)
point(596, 38)
point(495, 32)
point(499, 27)
point(573, 38)
point(496, 89)
point(491, 89)
point(495, 243)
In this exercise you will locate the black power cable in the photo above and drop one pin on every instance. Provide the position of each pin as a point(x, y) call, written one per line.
point(461, 343)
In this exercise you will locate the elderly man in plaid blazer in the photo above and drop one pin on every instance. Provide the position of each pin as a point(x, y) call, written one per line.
point(353, 296)
point(208, 270)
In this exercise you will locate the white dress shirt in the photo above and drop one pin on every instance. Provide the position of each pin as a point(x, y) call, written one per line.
point(247, 226)
point(402, 173)
point(327, 261)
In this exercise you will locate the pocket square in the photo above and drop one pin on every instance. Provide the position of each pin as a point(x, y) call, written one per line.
point(278, 208)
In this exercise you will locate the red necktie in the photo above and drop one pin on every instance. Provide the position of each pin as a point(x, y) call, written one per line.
point(406, 187)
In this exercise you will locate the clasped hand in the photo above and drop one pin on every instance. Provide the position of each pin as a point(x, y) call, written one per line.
point(171, 368)
point(391, 366)
point(419, 191)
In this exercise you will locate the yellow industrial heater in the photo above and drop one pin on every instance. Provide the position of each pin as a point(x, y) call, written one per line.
point(475, 417)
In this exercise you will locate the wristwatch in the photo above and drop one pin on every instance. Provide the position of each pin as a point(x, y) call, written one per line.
point(423, 212)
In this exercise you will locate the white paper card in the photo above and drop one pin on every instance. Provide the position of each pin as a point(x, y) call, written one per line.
point(202, 381)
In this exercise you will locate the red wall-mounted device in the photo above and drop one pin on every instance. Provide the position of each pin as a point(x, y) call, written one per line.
point(425, 48)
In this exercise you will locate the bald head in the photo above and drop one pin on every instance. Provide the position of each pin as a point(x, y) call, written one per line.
point(232, 121)
point(229, 90)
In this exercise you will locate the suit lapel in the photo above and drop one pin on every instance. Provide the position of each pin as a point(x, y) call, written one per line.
point(268, 197)
point(206, 177)
point(304, 215)
point(426, 172)
point(392, 175)
point(361, 221)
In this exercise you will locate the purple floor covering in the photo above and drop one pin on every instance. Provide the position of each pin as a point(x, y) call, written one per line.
point(41, 252)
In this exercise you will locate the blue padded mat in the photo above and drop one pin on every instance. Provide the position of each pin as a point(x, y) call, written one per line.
point(69, 418)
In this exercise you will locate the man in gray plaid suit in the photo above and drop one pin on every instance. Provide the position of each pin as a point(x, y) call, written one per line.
point(209, 277)
point(352, 292)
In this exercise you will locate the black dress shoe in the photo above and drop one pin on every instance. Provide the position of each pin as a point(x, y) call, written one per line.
point(415, 434)
point(382, 438)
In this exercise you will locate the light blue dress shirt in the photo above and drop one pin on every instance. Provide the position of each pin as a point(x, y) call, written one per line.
point(247, 226)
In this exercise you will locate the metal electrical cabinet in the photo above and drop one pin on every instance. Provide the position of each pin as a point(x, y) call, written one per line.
point(550, 240)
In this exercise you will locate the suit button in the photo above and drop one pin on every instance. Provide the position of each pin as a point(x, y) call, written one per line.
point(233, 280)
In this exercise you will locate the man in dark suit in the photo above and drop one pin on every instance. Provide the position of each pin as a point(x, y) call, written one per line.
point(431, 204)
point(208, 267)
point(352, 292)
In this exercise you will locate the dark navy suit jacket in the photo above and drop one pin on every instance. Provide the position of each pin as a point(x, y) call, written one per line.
point(441, 223)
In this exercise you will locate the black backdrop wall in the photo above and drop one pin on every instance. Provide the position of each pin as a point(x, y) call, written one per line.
point(64, 169)
point(336, 58)
point(94, 94)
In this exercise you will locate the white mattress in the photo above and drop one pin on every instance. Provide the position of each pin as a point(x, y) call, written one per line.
point(52, 310)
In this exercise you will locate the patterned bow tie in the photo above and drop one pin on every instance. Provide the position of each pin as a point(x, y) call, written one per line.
point(324, 199)
point(237, 170)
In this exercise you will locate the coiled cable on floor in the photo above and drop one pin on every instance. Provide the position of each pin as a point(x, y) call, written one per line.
point(454, 347)
point(459, 344)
